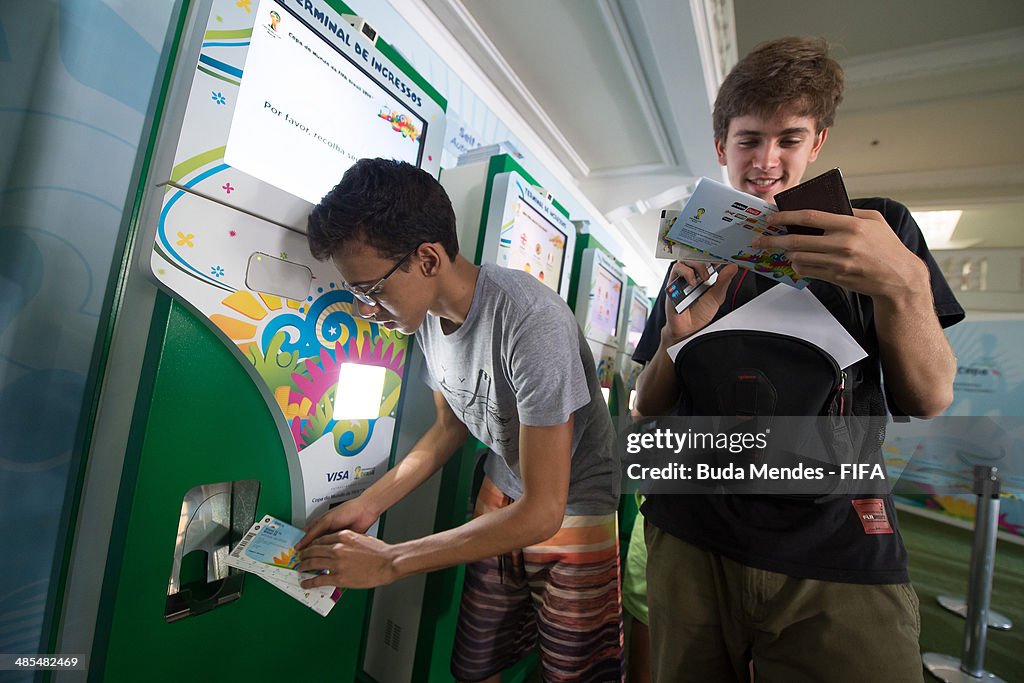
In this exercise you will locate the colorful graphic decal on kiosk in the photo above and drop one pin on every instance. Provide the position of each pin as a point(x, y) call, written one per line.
point(298, 348)
point(295, 342)
point(604, 358)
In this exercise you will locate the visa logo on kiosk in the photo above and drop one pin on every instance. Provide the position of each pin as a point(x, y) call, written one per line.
point(337, 476)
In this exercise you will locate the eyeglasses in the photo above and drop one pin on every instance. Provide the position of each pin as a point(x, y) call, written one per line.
point(366, 295)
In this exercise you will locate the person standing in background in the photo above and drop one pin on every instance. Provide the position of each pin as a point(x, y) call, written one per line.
point(805, 591)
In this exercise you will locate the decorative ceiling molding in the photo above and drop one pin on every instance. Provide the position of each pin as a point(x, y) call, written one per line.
point(472, 38)
point(674, 195)
point(960, 54)
point(673, 57)
point(717, 18)
point(619, 215)
point(632, 66)
point(633, 235)
point(715, 23)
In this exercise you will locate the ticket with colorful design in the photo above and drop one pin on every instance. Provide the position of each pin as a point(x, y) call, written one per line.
point(673, 251)
point(268, 551)
point(723, 222)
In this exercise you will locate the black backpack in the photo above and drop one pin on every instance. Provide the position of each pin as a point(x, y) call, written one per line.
point(749, 379)
point(753, 373)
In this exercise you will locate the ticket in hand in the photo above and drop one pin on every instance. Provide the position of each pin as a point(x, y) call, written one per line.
point(683, 295)
point(268, 550)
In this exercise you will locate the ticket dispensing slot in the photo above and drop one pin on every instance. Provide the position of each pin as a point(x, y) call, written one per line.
point(214, 517)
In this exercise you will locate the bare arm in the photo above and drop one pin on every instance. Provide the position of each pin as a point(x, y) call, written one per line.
point(656, 388)
point(429, 454)
point(917, 360)
point(544, 464)
point(863, 254)
point(358, 561)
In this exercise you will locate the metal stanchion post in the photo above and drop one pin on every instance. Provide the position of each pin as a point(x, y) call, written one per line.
point(996, 620)
point(970, 667)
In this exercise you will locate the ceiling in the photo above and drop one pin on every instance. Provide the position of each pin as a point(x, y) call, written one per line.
point(620, 91)
point(935, 92)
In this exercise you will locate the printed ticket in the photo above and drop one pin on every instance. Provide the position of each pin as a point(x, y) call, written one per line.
point(673, 251)
point(723, 222)
point(268, 551)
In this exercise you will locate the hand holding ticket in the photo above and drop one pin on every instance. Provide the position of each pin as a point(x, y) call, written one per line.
point(723, 222)
point(683, 295)
point(268, 551)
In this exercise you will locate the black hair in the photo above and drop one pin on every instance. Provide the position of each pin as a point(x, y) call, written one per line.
point(389, 205)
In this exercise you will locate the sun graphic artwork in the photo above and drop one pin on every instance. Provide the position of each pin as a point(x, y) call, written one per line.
point(287, 559)
point(300, 361)
point(253, 309)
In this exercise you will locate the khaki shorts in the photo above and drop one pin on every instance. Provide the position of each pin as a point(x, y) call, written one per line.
point(710, 616)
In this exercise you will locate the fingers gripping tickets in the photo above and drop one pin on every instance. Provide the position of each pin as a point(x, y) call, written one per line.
point(348, 559)
point(687, 309)
point(683, 294)
point(846, 252)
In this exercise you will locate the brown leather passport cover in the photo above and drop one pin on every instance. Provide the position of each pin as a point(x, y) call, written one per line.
point(823, 193)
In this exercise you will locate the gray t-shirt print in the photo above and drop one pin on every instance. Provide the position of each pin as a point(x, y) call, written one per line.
point(476, 408)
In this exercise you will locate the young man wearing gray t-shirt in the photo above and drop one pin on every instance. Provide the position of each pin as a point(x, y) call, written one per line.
point(509, 365)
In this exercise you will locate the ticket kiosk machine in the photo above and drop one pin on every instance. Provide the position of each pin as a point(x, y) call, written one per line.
point(261, 392)
point(637, 308)
point(599, 298)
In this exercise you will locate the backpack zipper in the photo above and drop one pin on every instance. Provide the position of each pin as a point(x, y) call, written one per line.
point(842, 392)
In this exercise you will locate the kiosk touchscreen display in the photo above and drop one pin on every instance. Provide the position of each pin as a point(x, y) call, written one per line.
point(606, 296)
point(307, 109)
point(534, 245)
point(637, 319)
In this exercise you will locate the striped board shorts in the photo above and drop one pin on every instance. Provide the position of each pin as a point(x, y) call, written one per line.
point(562, 594)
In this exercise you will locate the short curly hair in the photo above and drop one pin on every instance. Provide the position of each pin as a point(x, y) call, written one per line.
point(390, 205)
point(795, 74)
